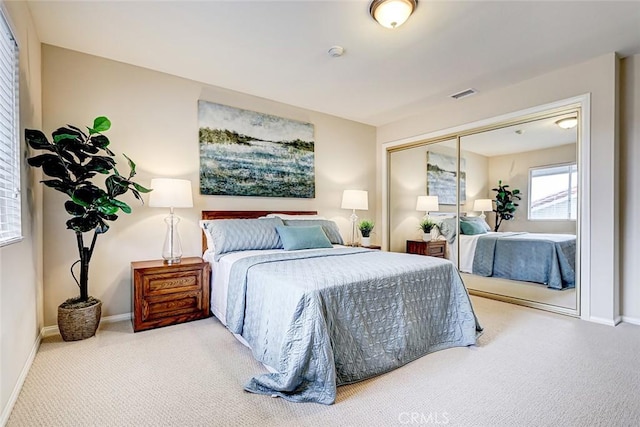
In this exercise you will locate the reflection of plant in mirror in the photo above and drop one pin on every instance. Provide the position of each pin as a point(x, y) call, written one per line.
point(505, 206)
point(366, 226)
point(426, 225)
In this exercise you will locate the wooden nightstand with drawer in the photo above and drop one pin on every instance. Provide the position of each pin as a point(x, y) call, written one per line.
point(435, 248)
point(166, 294)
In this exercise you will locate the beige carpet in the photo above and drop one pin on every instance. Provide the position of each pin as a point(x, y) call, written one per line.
point(529, 368)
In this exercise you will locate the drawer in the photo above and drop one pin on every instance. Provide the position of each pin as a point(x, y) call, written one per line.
point(436, 250)
point(163, 282)
point(176, 304)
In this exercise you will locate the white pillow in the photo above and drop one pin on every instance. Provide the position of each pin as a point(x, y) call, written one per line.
point(207, 235)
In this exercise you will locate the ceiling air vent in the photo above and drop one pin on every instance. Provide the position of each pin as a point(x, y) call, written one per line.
point(464, 93)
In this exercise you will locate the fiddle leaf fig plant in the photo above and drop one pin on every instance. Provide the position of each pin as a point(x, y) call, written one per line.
point(72, 159)
point(505, 203)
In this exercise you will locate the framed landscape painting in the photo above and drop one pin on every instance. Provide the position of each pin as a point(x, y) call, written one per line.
point(246, 153)
point(441, 178)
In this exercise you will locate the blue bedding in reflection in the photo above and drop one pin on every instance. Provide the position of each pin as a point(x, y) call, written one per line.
point(549, 259)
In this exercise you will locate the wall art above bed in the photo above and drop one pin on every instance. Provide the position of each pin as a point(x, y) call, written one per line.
point(441, 178)
point(246, 153)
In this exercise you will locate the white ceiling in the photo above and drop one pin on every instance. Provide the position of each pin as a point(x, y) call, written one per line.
point(278, 49)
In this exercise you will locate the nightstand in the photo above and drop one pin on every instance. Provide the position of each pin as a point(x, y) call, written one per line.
point(166, 294)
point(435, 248)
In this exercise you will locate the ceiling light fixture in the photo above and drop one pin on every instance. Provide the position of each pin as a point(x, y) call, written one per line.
point(568, 122)
point(392, 13)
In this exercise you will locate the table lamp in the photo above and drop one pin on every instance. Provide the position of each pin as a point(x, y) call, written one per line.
point(427, 204)
point(171, 193)
point(483, 205)
point(355, 199)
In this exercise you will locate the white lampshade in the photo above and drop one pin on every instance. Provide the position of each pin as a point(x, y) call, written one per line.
point(483, 205)
point(170, 193)
point(427, 204)
point(355, 199)
point(392, 13)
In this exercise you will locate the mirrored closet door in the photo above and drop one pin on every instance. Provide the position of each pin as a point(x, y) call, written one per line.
point(506, 204)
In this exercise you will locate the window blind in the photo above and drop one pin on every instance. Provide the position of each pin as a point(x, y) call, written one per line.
point(10, 200)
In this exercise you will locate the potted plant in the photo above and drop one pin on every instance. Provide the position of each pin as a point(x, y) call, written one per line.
point(427, 225)
point(366, 226)
point(73, 159)
point(505, 205)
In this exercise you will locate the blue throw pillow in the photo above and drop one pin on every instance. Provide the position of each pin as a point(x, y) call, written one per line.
point(478, 220)
point(472, 227)
point(329, 227)
point(294, 238)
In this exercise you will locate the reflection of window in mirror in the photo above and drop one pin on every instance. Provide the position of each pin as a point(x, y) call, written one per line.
point(554, 193)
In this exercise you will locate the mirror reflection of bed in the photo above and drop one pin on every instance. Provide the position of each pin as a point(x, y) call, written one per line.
point(532, 257)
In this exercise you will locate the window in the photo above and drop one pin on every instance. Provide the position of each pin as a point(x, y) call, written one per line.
point(10, 203)
point(553, 192)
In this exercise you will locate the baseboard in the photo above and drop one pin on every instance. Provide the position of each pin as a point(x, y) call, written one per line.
point(603, 321)
point(632, 320)
point(50, 331)
point(6, 411)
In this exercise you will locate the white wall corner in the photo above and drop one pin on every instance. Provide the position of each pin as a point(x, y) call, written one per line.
point(631, 320)
point(6, 411)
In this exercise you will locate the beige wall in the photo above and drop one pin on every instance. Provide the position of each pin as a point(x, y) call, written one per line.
point(155, 122)
point(597, 77)
point(630, 189)
point(513, 169)
point(21, 263)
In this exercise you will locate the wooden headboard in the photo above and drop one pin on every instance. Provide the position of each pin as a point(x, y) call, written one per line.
point(243, 214)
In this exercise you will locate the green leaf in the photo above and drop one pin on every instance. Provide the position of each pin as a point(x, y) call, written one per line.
point(102, 227)
point(132, 166)
point(99, 141)
point(100, 124)
point(37, 140)
point(122, 205)
point(87, 195)
point(74, 209)
point(59, 137)
point(141, 189)
point(107, 209)
point(100, 164)
point(58, 185)
point(83, 224)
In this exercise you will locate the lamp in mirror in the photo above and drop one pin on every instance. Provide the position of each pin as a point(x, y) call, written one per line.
point(355, 199)
point(427, 204)
point(171, 193)
point(483, 205)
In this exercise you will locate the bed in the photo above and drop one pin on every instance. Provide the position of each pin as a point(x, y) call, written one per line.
point(323, 317)
point(547, 259)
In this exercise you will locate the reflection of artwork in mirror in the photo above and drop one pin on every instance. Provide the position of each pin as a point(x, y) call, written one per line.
point(441, 178)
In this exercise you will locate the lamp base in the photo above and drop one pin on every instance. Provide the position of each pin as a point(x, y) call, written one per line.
point(172, 250)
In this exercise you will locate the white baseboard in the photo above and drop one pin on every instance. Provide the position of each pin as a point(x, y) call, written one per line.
point(603, 321)
point(6, 411)
point(49, 331)
point(632, 320)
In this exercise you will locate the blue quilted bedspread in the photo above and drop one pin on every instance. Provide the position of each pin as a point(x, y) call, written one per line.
point(541, 258)
point(323, 318)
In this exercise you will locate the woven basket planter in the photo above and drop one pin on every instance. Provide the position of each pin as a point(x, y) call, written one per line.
point(79, 323)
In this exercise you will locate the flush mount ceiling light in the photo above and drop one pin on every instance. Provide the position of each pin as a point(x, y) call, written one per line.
point(568, 122)
point(392, 13)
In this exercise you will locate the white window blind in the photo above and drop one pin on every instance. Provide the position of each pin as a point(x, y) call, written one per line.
point(10, 203)
point(554, 191)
